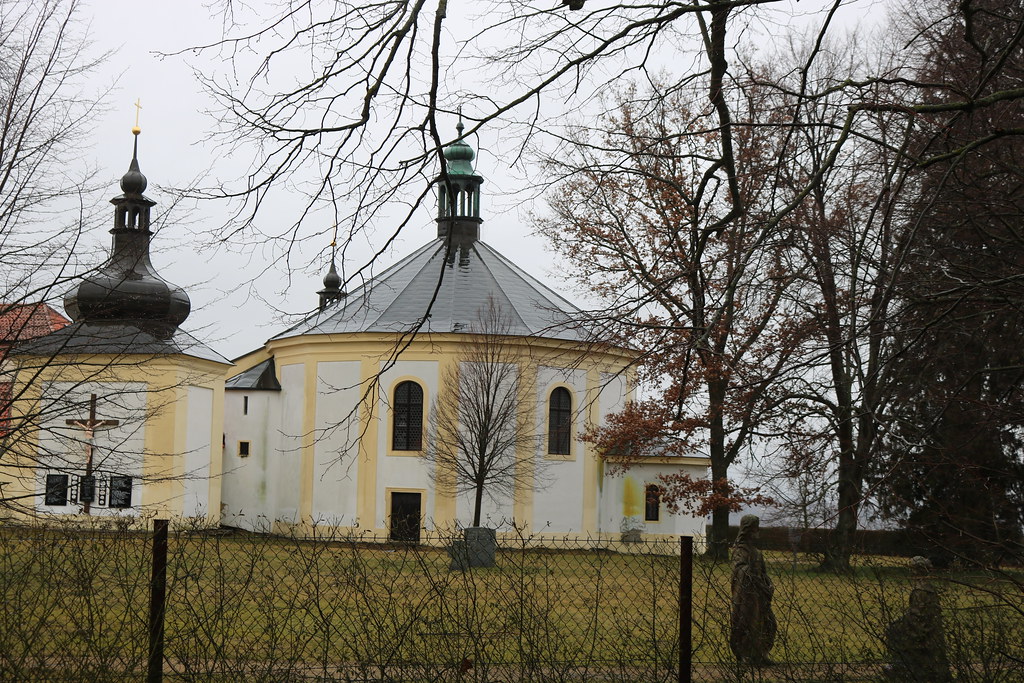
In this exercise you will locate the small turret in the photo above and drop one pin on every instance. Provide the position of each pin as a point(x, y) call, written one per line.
point(458, 206)
point(332, 291)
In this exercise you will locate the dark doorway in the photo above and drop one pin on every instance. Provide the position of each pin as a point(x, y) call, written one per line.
point(405, 517)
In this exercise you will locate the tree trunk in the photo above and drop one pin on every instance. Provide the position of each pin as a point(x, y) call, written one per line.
point(837, 552)
point(840, 544)
point(478, 503)
point(718, 541)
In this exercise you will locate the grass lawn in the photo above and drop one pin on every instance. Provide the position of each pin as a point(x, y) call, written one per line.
point(266, 608)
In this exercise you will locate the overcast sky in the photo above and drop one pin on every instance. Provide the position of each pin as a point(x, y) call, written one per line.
point(241, 299)
point(232, 311)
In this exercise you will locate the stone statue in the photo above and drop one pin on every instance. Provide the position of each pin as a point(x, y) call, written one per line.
point(752, 625)
point(916, 641)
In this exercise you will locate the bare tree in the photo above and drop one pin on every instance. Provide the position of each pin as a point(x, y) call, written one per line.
point(848, 244)
point(483, 425)
point(362, 126)
point(641, 211)
point(46, 60)
point(44, 63)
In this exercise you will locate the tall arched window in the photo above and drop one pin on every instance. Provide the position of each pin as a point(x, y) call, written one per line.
point(559, 422)
point(407, 422)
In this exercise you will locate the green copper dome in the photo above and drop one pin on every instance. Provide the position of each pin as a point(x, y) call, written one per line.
point(459, 156)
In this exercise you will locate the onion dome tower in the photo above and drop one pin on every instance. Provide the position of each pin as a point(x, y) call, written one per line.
point(332, 291)
point(458, 206)
point(126, 290)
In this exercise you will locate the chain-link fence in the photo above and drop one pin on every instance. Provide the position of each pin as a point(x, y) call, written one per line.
point(265, 608)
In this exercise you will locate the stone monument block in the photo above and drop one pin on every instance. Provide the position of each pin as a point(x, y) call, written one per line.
point(478, 547)
point(481, 546)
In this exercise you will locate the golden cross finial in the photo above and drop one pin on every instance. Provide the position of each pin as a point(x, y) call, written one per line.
point(138, 108)
point(334, 239)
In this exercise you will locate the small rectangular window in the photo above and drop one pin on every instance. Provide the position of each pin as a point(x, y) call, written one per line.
point(243, 449)
point(652, 509)
point(245, 405)
point(120, 492)
point(56, 489)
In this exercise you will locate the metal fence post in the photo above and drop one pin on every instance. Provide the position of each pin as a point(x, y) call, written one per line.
point(685, 608)
point(157, 594)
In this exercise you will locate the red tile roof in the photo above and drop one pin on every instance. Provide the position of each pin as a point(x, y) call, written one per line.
point(19, 322)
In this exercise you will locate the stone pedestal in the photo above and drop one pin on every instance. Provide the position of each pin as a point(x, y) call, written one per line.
point(481, 546)
point(478, 548)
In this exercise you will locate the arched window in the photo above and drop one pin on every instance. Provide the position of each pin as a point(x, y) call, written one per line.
point(407, 422)
point(652, 500)
point(559, 422)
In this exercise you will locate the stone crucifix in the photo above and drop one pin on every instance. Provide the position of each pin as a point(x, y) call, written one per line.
point(89, 427)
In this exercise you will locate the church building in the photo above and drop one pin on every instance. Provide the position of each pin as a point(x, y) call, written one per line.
point(332, 424)
point(119, 413)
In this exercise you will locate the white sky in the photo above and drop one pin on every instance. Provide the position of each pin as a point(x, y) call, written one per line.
point(172, 153)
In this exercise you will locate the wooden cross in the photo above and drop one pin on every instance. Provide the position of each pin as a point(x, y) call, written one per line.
point(90, 426)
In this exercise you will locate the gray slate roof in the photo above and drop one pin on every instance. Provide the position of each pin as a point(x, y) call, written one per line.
point(398, 298)
point(116, 339)
point(260, 376)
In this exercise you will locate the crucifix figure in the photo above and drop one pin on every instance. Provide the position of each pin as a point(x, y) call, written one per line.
point(89, 426)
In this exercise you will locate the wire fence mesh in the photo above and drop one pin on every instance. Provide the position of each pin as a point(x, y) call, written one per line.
point(354, 608)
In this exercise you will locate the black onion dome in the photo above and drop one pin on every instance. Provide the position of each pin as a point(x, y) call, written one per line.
point(133, 182)
point(332, 291)
point(126, 289)
point(332, 280)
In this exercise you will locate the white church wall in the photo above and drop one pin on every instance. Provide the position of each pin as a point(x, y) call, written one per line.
point(284, 484)
point(558, 500)
point(558, 495)
point(623, 501)
point(118, 450)
point(253, 417)
point(335, 465)
point(397, 471)
point(612, 399)
point(197, 453)
point(613, 393)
